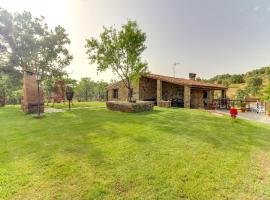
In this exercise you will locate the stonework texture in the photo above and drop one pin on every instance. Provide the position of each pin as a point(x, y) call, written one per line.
point(159, 91)
point(172, 91)
point(162, 92)
point(130, 107)
point(147, 89)
point(122, 92)
point(197, 100)
point(30, 94)
point(164, 104)
point(187, 94)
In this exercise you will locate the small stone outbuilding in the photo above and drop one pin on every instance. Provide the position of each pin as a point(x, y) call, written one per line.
point(168, 91)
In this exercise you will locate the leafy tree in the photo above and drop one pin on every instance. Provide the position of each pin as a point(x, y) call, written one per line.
point(101, 91)
point(3, 89)
point(266, 93)
point(26, 43)
point(254, 85)
point(237, 79)
point(89, 90)
point(85, 89)
point(120, 51)
point(242, 93)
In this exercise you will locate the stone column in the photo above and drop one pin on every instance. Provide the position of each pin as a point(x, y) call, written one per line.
point(159, 91)
point(210, 95)
point(187, 93)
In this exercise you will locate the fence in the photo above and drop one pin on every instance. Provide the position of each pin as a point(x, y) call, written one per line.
point(250, 105)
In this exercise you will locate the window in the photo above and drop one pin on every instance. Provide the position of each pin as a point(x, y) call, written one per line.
point(115, 93)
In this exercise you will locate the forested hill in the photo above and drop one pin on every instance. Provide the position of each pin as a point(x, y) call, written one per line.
point(254, 83)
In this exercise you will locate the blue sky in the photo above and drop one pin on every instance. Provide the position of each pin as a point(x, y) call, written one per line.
point(207, 37)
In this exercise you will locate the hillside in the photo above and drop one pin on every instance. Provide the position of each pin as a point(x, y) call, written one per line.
point(240, 85)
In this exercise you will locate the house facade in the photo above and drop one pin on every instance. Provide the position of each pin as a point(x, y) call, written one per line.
point(168, 91)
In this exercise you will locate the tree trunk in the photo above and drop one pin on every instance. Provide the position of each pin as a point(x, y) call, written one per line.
point(130, 94)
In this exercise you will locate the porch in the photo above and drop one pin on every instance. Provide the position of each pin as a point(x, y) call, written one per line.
point(174, 94)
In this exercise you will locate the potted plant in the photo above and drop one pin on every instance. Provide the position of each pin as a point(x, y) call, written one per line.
point(243, 107)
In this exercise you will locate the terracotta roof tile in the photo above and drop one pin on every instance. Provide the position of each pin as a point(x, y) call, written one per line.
point(182, 81)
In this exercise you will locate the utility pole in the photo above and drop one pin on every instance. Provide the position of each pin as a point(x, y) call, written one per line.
point(174, 64)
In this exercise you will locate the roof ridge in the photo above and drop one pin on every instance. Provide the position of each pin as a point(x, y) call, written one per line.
point(188, 81)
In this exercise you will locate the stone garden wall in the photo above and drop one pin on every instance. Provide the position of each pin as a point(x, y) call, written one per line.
point(165, 104)
point(130, 107)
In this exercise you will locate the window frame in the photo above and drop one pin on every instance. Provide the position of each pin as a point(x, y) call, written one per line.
point(115, 93)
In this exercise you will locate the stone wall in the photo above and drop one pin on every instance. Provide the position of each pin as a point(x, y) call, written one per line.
point(30, 98)
point(197, 99)
point(187, 95)
point(148, 89)
point(145, 90)
point(122, 92)
point(130, 107)
point(156, 90)
point(165, 104)
point(172, 91)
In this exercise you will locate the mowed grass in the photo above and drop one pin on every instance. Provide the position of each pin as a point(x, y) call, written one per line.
point(76, 104)
point(163, 154)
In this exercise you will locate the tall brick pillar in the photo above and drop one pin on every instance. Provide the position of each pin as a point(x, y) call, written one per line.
point(187, 94)
point(159, 91)
point(30, 94)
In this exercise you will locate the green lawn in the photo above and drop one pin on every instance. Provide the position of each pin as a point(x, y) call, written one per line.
point(76, 104)
point(101, 154)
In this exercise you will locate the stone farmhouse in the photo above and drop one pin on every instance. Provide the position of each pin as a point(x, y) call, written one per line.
point(168, 91)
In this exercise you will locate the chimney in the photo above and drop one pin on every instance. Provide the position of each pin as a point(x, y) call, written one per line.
point(192, 76)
